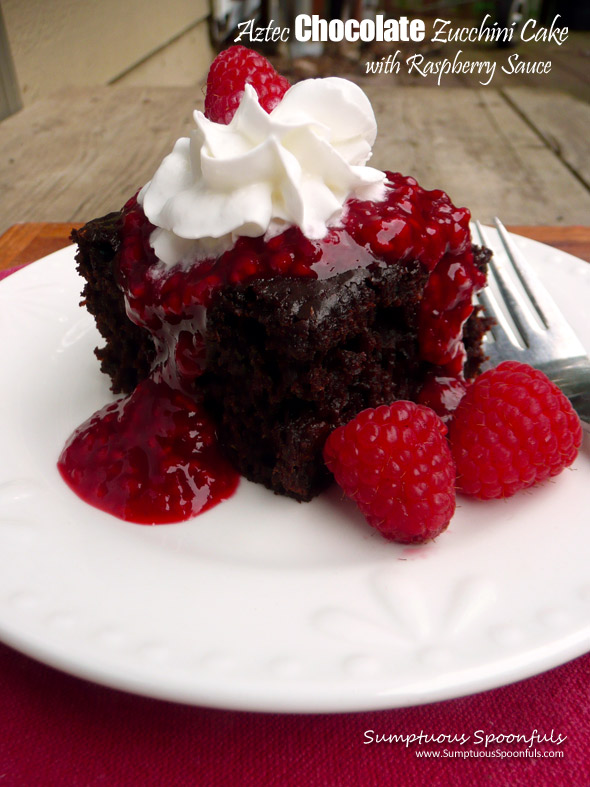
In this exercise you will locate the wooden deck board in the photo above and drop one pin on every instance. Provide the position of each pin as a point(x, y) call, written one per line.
point(476, 147)
point(83, 152)
point(570, 64)
point(562, 121)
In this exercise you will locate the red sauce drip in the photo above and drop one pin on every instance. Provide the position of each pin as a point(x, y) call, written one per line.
point(442, 394)
point(151, 458)
point(446, 306)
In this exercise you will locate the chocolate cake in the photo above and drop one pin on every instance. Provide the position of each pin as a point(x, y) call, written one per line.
point(287, 359)
point(128, 353)
point(263, 288)
point(290, 360)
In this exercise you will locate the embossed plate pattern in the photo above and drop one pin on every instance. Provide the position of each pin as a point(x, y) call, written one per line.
point(263, 603)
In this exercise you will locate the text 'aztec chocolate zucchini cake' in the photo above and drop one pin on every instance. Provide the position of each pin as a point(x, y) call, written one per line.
point(261, 290)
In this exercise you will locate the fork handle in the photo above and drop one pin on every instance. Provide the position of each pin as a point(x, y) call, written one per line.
point(573, 377)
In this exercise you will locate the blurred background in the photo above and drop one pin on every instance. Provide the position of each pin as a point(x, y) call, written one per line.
point(48, 45)
point(93, 94)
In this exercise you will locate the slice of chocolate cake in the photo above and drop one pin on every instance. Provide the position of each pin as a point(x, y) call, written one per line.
point(265, 286)
point(287, 359)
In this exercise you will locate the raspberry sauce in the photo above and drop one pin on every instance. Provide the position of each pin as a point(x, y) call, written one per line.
point(442, 394)
point(409, 224)
point(152, 457)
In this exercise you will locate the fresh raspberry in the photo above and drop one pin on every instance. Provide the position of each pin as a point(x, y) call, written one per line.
point(394, 462)
point(512, 429)
point(229, 73)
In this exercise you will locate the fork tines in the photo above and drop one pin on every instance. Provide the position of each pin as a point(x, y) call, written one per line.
point(528, 318)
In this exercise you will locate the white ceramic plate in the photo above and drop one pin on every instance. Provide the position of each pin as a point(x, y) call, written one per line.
point(263, 603)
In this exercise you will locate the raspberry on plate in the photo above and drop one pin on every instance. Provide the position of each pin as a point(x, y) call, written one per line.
point(512, 429)
point(229, 73)
point(395, 463)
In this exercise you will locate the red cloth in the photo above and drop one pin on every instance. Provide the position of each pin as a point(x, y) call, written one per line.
point(59, 730)
point(4, 274)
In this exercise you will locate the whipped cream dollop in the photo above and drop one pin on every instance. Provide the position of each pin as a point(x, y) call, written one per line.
point(263, 172)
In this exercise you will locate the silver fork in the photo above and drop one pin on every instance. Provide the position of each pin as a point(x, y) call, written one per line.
point(530, 327)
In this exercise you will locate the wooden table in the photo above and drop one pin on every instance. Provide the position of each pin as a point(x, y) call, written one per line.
point(24, 243)
point(520, 153)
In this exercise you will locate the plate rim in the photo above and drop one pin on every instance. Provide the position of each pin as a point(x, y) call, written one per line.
point(378, 699)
